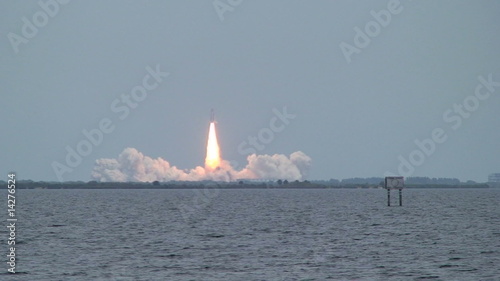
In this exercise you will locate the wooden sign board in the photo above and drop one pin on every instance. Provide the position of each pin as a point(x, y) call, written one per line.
point(394, 182)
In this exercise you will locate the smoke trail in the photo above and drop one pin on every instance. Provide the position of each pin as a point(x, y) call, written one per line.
point(132, 165)
point(276, 166)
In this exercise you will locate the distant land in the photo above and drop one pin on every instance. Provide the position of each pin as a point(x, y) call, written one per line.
point(373, 182)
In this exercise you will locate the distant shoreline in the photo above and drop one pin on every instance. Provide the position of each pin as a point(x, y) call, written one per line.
point(225, 185)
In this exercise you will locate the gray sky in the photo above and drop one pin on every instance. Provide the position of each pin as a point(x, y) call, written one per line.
point(353, 119)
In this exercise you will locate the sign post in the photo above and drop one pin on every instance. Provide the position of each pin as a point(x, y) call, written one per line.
point(394, 183)
point(400, 197)
point(388, 197)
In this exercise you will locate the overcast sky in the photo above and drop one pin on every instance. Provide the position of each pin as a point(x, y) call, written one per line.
point(356, 114)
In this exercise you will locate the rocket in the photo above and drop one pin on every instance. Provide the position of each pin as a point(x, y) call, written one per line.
point(212, 116)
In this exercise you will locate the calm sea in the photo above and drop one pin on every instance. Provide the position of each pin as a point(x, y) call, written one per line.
point(255, 234)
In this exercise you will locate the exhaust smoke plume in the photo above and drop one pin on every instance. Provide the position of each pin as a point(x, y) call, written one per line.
point(132, 165)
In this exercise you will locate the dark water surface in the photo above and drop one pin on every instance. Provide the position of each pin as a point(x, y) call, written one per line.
point(261, 234)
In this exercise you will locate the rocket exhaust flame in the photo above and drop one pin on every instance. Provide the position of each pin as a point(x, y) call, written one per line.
point(212, 161)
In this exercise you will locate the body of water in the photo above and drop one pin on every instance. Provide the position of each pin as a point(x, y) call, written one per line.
point(256, 234)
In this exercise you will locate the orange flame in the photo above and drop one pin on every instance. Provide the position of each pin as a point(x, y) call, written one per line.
point(212, 161)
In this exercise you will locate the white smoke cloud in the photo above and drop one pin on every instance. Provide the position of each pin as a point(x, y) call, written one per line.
point(277, 166)
point(132, 165)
